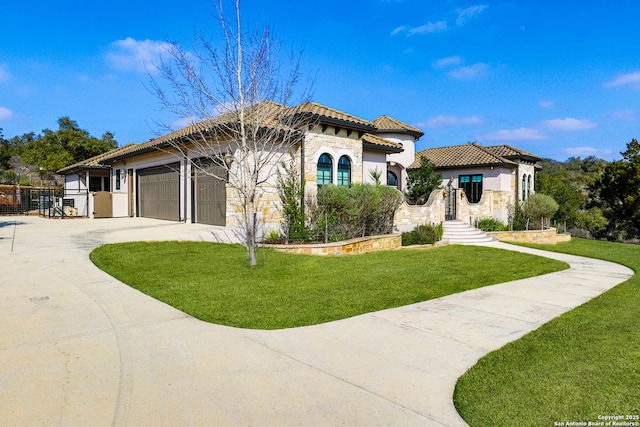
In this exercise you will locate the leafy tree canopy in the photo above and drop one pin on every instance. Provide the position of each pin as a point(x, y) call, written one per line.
point(5, 152)
point(69, 144)
point(618, 190)
point(421, 182)
point(568, 184)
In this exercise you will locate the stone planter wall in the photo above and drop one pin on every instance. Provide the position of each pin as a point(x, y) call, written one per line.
point(346, 247)
point(549, 236)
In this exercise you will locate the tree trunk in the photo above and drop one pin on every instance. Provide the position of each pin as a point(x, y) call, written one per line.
point(250, 221)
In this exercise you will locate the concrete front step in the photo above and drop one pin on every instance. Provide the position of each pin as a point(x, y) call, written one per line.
point(458, 232)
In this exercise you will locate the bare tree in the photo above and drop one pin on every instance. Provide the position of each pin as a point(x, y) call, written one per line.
point(236, 95)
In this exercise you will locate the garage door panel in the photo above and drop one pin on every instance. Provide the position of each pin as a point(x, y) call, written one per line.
point(159, 192)
point(210, 198)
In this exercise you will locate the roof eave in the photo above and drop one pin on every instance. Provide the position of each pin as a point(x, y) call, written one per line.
point(416, 135)
point(390, 150)
point(75, 169)
point(318, 118)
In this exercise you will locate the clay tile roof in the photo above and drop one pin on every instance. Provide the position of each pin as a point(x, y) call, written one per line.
point(95, 162)
point(389, 124)
point(460, 156)
point(508, 151)
point(267, 115)
point(377, 143)
point(333, 116)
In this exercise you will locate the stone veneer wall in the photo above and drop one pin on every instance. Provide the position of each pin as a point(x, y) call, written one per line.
point(269, 213)
point(347, 247)
point(492, 205)
point(549, 236)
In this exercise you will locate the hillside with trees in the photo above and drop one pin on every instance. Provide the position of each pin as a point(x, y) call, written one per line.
point(596, 198)
point(32, 159)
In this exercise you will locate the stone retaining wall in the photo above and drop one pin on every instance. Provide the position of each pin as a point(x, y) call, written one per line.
point(549, 236)
point(346, 247)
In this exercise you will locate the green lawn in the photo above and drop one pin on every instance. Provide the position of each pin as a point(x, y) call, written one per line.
point(580, 365)
point(214, 282)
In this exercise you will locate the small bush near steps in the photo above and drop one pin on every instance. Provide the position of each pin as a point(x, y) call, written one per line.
point(422, 235)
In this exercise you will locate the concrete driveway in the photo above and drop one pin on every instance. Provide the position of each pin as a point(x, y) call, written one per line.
point(79, 348)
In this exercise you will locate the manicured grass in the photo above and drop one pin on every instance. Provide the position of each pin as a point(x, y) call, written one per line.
point(580, 365)
point(214, 282)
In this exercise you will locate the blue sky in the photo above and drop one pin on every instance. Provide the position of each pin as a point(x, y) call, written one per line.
point(556, 78)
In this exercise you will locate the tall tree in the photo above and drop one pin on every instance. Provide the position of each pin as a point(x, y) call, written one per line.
point(242, 90)
point(5, 152)
point(619, 191)
point(54, 150)
point(421, 182)
point(568, 183)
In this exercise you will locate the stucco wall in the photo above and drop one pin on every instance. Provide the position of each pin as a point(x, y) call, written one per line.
point(493, 178)
point(75, 183)
point(371, 161)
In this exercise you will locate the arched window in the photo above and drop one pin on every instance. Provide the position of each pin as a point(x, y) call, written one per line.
point(529, 187)
point(344, 171)
point(392, 179)
point(325, 166)
point(524, 187)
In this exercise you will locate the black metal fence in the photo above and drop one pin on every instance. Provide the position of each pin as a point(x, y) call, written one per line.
point(46, 202)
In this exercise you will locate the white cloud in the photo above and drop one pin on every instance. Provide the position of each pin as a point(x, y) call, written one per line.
point(445, 121)
point(448, 61)
point(569, 124)
point(520, 134)
point(465, 14)
point(631, 79)
point(5, 113)
point(136, 55)
point(4, 74)
point(546, 104)
point(469, 72)
point(429, 27)
point(399, 30)
point(586, 152)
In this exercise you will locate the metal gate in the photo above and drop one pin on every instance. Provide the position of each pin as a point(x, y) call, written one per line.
point(209, 195)
point(159, 192)
point(450, 202)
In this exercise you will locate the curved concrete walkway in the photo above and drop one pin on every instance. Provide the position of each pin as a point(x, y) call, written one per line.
point(80, 348)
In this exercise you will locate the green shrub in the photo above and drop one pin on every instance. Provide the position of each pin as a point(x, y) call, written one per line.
point(539, 208)
point(422, 235)
point(356, 211)
point(273, 237)
point(291, 189)
point(490, 224)
point(516, 216)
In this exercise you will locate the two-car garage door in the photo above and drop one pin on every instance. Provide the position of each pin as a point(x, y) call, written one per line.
point(159, 195)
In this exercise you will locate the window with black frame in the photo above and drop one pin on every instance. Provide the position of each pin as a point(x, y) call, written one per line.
point(472, 186)
point(392, 179)
point(325, 166)
point(95, 183)
point(344, 171)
